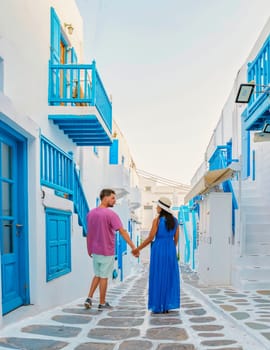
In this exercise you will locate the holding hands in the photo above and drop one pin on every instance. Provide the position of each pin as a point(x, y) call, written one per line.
point(135, 252)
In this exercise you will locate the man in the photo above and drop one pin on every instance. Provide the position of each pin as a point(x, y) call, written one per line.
point(102, 223)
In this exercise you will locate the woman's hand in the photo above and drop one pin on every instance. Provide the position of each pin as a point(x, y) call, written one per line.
point(136, 252)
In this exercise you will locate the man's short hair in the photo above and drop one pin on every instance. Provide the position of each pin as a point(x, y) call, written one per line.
point(106, 192)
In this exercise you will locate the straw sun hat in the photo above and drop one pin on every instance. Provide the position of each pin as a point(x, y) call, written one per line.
point(165, 204)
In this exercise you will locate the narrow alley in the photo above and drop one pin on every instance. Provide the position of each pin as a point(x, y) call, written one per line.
point(213, 318)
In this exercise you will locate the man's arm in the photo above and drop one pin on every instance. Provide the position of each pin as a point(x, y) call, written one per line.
point(88, 244)
point(126, 237)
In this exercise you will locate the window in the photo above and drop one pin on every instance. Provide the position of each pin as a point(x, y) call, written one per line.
point(1, 74)
point(58, 245)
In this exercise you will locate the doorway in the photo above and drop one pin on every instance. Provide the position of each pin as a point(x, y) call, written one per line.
point(13, 220)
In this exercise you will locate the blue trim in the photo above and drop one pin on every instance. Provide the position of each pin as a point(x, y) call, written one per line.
point(194, 236)
point(184, 211)
point(113, 157)
point(74, 58)
point(253, 165)
point(245, 152)
point(55, 37)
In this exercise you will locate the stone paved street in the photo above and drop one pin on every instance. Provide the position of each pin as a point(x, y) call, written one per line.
point(199, 324)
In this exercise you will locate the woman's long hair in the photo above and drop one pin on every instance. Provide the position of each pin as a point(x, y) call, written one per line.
point(170, 222)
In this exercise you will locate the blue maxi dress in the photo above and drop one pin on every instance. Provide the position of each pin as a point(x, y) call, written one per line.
point(164, 275)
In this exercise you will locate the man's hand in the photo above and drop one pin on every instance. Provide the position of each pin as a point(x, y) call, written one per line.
point(136, 252)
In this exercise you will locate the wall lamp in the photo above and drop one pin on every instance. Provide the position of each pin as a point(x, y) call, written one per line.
point(69, 27)
point(264, 135)
point(246, 90)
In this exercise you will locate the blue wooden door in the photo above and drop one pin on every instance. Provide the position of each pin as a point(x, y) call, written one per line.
point(12, 276)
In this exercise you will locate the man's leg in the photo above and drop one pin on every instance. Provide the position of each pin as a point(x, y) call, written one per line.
point(102, 290)
point(93, 287)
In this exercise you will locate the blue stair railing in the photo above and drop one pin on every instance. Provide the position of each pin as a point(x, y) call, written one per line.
point(183, 218)
point(58, 171)
point(81, 207)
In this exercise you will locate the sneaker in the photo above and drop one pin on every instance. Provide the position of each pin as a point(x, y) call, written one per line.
point(105, 306)
point(88, 303)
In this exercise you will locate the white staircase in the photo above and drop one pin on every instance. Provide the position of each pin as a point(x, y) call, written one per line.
point(251, 270)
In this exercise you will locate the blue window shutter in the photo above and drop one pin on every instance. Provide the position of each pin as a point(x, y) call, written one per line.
point(114, 152)
point(58, 245)
point(55, 37)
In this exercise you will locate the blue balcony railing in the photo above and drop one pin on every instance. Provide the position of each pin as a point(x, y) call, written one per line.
point(259, 71)
point(79, 85)
point(257, 110)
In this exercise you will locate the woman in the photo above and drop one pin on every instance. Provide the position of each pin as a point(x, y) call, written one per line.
point(164, 280)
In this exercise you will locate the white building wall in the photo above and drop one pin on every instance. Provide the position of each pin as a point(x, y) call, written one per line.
point(25, 54)
point(252, 221)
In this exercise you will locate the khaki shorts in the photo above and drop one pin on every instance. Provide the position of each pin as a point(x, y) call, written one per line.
point(103, 265)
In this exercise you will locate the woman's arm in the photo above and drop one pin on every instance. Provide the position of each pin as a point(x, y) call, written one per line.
point(150, 237)
point(176, 236)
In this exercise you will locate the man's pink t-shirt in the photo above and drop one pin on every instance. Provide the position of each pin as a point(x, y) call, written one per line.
point(101, 226)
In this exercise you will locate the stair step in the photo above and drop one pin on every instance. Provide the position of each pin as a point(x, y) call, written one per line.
point(249, 209)
point(262, 237)
point(257, 227)
point(260, 217)
point(254, 284)
point(262, 260)
point(252, 272)
point(258, 248)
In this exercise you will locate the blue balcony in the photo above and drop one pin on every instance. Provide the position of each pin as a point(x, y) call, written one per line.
point(79, 104)
point(257, 111)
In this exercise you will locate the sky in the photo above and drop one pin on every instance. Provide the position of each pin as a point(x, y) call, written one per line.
point(169, 66)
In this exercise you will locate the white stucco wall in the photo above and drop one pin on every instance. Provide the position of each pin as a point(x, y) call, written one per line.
point(25, 54)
